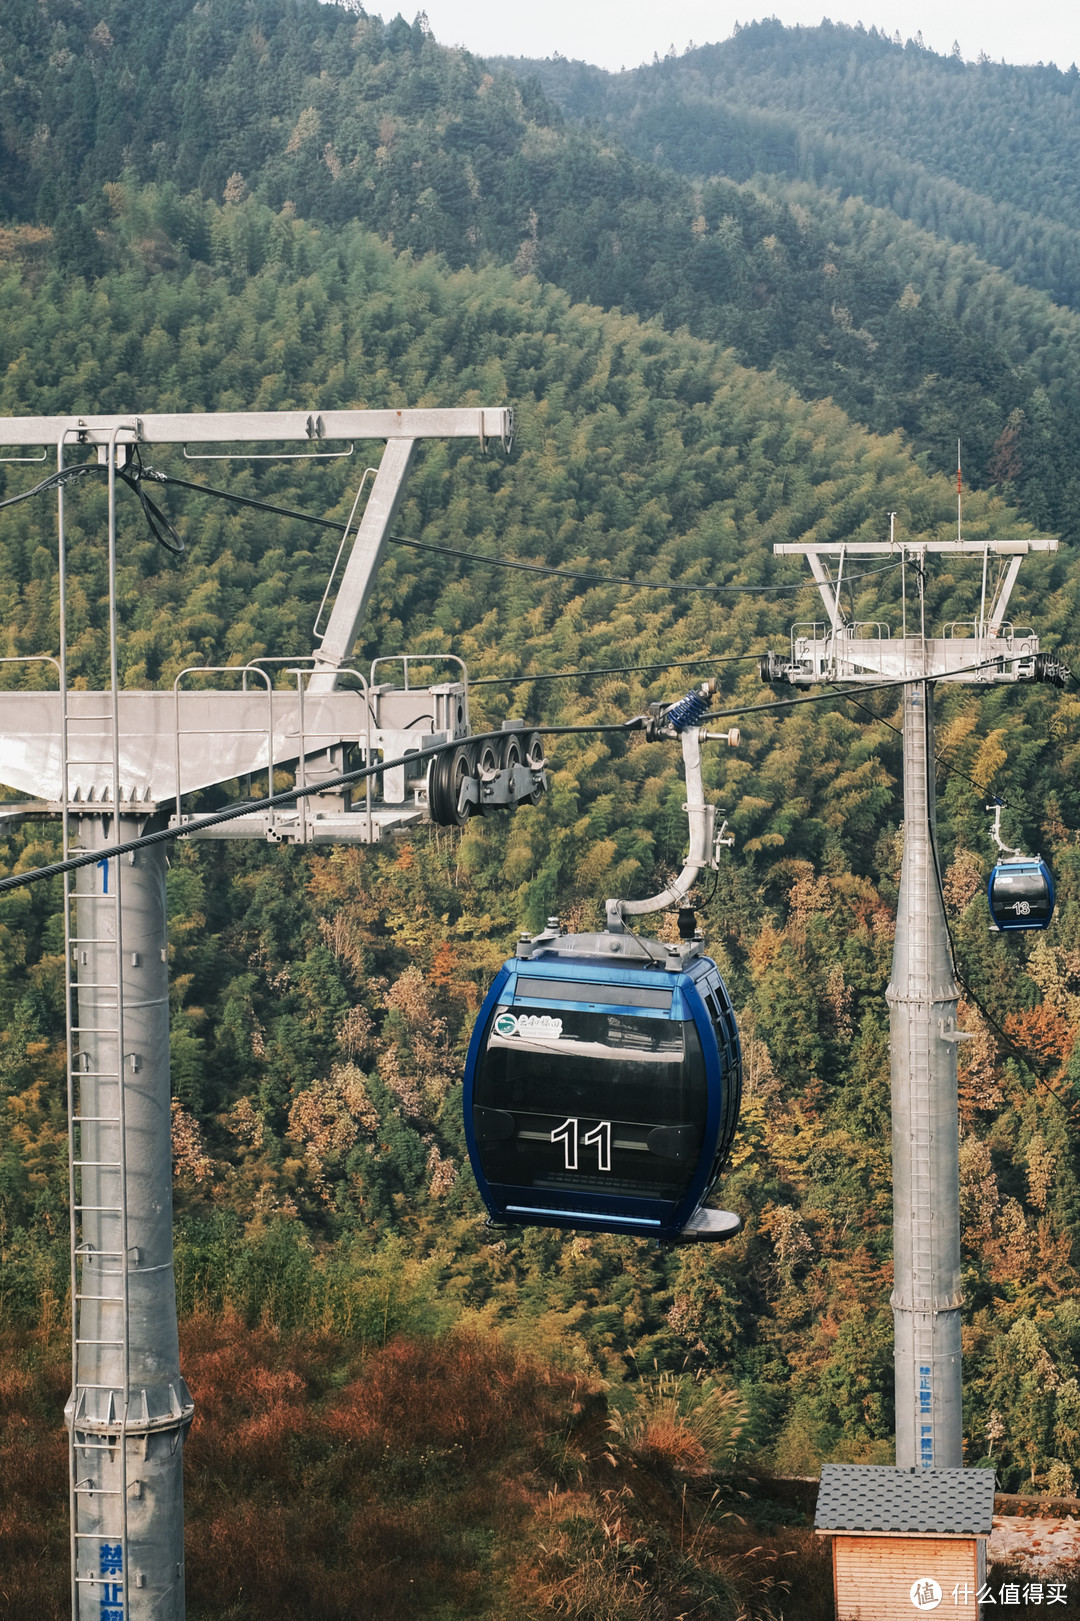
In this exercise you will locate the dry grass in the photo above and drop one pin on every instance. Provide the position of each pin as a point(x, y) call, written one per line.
point(605, 1555)
point(344, 1491)
point(683, 1424)
point(34, 1383)
point(420, 1482)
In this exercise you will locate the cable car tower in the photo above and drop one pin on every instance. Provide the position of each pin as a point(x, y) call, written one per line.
point(922, 993)
point(115, 764)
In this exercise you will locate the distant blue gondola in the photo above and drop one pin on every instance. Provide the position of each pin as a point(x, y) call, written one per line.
point(602, 1087)
point(1021, 894)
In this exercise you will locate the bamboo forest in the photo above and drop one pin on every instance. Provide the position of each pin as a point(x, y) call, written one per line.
point(750, 294)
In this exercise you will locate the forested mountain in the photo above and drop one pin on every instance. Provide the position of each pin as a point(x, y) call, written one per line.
point(287, 205)
point(322, 1000)
point(976, 152)
point(312, 109)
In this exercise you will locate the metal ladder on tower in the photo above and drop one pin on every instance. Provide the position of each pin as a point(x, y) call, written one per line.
point(97, 1146)
point(923, 1269)
point(99, 1273)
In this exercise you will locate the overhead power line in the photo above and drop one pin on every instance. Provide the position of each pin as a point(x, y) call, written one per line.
point(487, 558)
point(939, 759)
point(618, 579)
point(164, 532)
point(158, 524)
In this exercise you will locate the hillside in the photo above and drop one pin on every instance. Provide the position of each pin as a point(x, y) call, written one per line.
point(700, 367)
point(980, 153)
point(353, 120)
point(322, 1000)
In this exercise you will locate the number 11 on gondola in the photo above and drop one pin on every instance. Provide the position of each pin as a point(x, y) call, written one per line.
point(567, 1134)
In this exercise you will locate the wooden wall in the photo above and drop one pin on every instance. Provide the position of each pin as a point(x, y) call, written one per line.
point(873, 1575)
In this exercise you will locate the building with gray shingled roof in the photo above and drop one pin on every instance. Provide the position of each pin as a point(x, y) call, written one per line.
point(906, 1540)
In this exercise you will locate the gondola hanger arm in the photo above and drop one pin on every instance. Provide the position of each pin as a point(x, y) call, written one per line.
point(669, 721)
point(995, 832)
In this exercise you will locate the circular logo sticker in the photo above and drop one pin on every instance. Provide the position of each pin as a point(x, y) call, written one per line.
point(506, 1025)
point(925, 1593)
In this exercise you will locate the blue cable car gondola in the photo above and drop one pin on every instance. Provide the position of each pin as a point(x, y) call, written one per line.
point(1020, 889)
point(602, 1087)
point(1021, 894)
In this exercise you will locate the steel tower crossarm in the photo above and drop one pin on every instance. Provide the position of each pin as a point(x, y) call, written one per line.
point(983, 650)
point(401, 429)
point(226, 428)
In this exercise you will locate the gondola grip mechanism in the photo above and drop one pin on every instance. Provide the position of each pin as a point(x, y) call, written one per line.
point(995, 831)
point(702, 851)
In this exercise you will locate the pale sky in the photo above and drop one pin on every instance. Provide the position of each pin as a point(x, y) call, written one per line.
point(618, 33)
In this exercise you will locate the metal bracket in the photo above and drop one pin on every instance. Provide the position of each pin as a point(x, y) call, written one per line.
point(948, 1032)
point(703, 844)
point(495, 790)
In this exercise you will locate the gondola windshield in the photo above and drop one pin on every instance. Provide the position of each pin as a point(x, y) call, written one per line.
point(605, 1102)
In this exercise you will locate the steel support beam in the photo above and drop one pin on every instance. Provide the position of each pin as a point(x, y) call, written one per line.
point(1000, 605)
point(363, 564)
point(922, 997)
point(830, 591)
point(260, 427)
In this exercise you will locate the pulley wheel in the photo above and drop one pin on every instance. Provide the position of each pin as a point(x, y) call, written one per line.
point(534, 758)
point(448, 773)
point(509, 751)
point(485, 763)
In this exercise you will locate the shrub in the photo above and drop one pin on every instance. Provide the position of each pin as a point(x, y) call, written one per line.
point(679, 1423)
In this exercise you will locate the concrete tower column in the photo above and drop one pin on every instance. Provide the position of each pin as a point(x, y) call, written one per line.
point(922, 998)
point(129, 1409)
